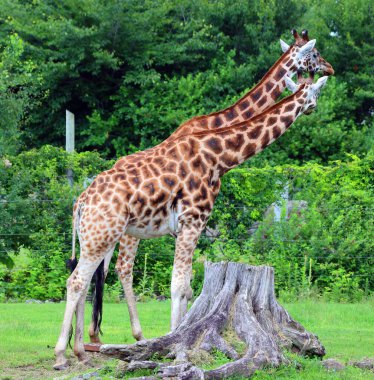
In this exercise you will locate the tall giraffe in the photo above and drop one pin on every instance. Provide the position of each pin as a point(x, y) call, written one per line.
point(297, 58)
point(168, 189)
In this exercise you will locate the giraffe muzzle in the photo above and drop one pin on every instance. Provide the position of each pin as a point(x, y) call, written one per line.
point(327, 69)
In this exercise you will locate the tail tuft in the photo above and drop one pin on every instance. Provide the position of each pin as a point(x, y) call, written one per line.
point(97, 297)
point(71, 264)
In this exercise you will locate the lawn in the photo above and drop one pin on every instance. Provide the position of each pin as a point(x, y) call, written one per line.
point(28, 333)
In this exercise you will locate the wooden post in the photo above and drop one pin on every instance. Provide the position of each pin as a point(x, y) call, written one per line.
point(70, 132)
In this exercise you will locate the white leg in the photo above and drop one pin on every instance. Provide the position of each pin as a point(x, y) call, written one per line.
point(181, 291)
point(79, 350)
point(76, 286)
point(127, 252)
point(97, 238)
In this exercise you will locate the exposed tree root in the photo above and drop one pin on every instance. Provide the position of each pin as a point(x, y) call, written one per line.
point(237, 301)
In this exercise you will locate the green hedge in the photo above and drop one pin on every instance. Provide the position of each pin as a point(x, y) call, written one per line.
point(323, 249)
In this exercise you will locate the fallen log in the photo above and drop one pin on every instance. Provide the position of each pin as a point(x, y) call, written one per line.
point(236, 313)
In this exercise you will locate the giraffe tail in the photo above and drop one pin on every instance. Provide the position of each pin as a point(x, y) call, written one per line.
point(72, 262)
point(97, 298)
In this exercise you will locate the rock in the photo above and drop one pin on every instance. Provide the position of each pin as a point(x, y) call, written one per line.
point(333, 365)
point(87, 376)
point(146, 364)
point(365, 363)
point(33, 301)
point(161, 298)
point(50, 301)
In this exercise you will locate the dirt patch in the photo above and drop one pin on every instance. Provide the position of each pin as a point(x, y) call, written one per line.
point(44, 370)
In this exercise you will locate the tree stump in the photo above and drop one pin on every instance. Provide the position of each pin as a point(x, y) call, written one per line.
point(236, 313)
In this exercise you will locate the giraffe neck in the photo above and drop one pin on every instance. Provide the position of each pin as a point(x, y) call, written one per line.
point(267, 91)
point(235, 144)
point(261, 97)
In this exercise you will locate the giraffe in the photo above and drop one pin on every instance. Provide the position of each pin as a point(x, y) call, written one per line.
point(297, 58)
point(168, 189)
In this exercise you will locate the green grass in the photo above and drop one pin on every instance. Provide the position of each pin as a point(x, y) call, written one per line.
point(346, 330)
point(28, 333)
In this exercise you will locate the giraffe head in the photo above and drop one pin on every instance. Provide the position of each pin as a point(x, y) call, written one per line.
point(306, 58)
point(309, 93)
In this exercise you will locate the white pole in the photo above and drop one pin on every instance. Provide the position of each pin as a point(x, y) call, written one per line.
point(278, 207)
point(70, 132)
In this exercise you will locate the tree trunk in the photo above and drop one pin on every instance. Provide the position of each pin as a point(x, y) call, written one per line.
point(236, 313)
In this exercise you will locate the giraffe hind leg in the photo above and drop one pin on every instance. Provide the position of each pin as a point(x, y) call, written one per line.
point(93, 252)
point(77, 286)
point(79, 350)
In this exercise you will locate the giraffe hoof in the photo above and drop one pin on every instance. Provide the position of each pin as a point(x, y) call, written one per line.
point(61, 366)
point(86, 362)
point(95, 340)
point(139, 337)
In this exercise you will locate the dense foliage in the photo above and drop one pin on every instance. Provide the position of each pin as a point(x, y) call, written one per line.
point(324, 247)
point(132, 71)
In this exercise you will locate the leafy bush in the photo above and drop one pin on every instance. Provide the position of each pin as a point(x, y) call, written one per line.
point(328, 245)
point(35, 209)
point(322, 249)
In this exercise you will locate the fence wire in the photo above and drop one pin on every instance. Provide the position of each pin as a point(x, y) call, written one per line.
point(203, 238)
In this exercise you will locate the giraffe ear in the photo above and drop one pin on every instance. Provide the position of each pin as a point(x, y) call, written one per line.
point(284, 46)
point(307, 48)
point(320, 83)
point(291, 85)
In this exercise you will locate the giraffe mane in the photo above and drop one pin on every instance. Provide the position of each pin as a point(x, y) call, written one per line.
point(243, 123)
point(271, 70)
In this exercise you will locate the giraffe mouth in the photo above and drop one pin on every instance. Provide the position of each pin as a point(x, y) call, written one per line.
point(329, 71)
point(301, 79)
point(309, 110)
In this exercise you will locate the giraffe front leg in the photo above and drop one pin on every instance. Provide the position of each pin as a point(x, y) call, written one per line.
point(125, 263)
point(181, 291)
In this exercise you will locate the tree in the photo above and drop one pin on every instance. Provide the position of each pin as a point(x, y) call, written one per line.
point(16, 85)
